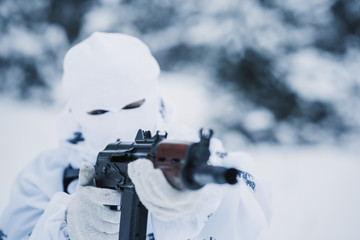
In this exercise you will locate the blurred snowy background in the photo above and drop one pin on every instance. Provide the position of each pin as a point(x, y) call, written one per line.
point(279, 79)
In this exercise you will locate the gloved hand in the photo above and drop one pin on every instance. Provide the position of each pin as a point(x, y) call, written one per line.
point(158, 196)
point(88, 214)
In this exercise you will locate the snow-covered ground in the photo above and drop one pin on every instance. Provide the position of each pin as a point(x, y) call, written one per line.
point(316, 191)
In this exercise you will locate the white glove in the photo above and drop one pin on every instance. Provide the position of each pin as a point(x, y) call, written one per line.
point(88, 214)
point(158, 196)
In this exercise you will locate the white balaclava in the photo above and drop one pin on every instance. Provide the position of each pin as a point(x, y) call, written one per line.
point(107, 76)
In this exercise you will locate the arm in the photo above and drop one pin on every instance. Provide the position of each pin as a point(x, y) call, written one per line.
point(175, 214)
point(31, 194)
point(246, 212)
point(51, 224)
point(84, 215)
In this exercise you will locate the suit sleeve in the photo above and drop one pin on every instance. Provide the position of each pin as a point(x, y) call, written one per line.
point(32, 193)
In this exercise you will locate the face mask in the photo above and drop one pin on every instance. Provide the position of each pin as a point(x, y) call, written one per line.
point(103, 125)
point(106, 77)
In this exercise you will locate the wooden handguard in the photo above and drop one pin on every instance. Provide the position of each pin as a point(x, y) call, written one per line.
point(170, 157)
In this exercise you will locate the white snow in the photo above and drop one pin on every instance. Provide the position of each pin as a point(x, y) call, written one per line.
point(315, 191)
point(25, 130)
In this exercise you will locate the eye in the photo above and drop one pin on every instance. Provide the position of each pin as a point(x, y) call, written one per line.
point(134, 104)
point(97, 112)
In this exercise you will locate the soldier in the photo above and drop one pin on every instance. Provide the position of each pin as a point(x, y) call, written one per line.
point(111, 80)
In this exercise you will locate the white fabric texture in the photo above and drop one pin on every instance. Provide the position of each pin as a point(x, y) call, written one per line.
point(107, 72)
point(163, 201)
point(88, 214)
point(191, 226)
point(50, 225)
point(35, 190)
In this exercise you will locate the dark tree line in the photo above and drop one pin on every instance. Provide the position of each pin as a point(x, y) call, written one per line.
point(258, 36)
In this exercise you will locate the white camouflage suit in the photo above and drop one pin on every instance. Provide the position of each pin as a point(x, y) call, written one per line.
point(39, 205)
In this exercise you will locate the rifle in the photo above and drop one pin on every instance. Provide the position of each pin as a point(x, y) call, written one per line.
point(184, 165)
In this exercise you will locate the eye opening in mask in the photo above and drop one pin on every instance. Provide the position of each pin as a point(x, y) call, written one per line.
point(134, 104)
point(97, 112)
